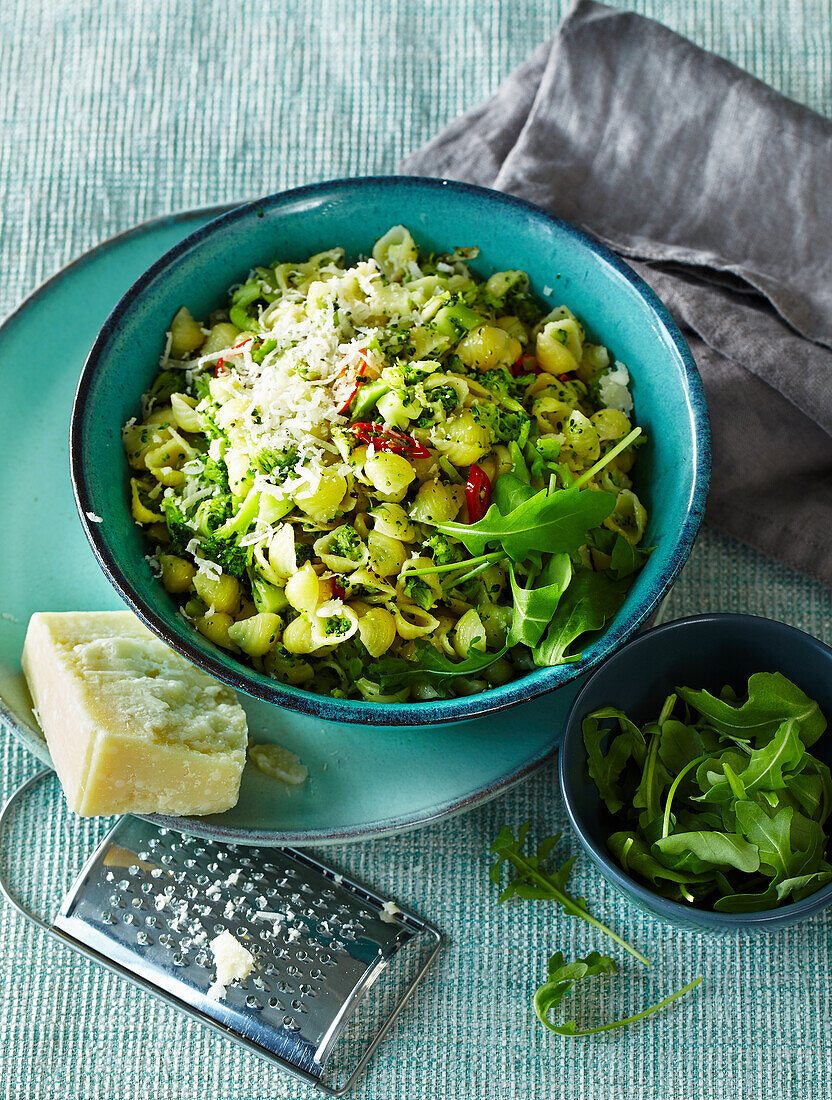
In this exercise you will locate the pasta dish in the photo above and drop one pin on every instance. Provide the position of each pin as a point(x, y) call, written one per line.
point(396, 480)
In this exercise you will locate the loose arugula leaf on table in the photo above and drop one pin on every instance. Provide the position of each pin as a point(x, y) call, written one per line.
point(590, 601)
point(535, 606)
point(772, 698)
point(562, 977)
point(534, 883)
point(550, 522)
point(393, 673)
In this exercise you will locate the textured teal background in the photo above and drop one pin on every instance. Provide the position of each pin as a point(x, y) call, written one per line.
point(115, 112)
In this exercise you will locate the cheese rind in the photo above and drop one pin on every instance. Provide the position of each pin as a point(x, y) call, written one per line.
point(131, 726)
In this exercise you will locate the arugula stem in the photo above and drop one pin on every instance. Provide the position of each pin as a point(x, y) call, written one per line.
point(674, 786)
point(628, 1019)
point(473, 573)
point(605, 459)
point(486, 559)
point(572, 905)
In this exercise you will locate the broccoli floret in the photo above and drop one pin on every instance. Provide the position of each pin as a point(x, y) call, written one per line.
point(259, 354)
point(227, 553)
point(442, 549)
point(199, 386)
point(521, 303)
point(346, 542)
point(446, 397)
point(337, 624)
point(178, 528)
point(507, 426)
point(501, 381)
point(419, 591)
point(243, 297)
point(211, 514)
point(303, 553)
point(217, 473)
point(278, 463)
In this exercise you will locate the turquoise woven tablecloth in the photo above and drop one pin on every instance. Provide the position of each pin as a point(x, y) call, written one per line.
point(114, 112)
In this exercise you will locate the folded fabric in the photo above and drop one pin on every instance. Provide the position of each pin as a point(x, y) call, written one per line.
point(718, 190)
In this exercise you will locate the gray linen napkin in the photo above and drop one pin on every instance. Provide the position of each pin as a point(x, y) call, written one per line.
point(718, 190)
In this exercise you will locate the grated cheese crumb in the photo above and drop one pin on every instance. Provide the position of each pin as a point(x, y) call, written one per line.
point(389, 912)
point(233, 962)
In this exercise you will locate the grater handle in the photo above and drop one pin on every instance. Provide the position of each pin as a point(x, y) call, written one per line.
point(5, 886)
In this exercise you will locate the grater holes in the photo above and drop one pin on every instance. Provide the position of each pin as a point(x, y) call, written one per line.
point(290, 1023)
point(253, 1002)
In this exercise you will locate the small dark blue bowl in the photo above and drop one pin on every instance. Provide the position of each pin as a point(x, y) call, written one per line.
point(703, 651)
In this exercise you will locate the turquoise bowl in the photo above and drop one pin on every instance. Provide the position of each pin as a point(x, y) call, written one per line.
point(565, 264)
point(702, 651)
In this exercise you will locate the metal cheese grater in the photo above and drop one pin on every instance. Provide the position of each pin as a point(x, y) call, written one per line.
point(149, 900)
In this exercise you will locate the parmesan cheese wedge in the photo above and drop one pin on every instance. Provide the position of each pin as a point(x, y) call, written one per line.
point(131, 726)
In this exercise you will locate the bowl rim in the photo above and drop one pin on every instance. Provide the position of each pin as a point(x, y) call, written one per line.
point(421, 713)
point(674, 911)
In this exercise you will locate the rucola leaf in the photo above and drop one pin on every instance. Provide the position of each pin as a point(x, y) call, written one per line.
point(606, 770)
point(590, 601)
point(561, 978)
point(534, 882)
point(771, 699)
point(534, 607)
point(394, 673)
point(556, 523)
point(706, 850)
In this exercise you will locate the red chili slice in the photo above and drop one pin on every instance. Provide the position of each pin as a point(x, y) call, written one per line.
point(220, 368)
point(359, 380)
point(383, 440)
point(526, 364)
point(477, 493)
point(337, 591)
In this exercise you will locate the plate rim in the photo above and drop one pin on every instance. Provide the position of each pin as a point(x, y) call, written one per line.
point(32, 739)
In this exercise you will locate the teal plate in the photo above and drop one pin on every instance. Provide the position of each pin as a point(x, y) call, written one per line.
point(363, 781)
